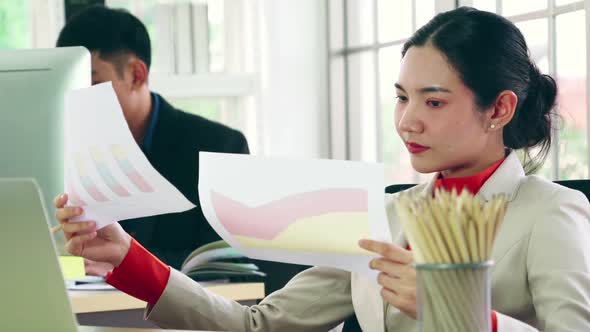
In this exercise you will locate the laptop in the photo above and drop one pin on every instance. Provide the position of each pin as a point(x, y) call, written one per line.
point(33, 295)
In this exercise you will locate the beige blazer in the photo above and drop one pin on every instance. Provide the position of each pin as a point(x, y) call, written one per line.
point(540, 281)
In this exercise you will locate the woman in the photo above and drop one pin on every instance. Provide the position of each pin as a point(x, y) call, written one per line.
point(468, 96)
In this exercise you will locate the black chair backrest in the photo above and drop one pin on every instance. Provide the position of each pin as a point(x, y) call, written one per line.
point(580, 185)
point(392, 189)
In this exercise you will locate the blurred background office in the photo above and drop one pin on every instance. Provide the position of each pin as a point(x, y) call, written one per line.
point(314, 78)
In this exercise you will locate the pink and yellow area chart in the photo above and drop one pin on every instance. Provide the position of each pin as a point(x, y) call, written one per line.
point(328, 220)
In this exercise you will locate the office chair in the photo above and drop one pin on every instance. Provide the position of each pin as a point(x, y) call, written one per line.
point(580, 185)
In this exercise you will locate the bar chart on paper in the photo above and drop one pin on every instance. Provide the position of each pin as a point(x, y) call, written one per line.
point(86, 180)
point(126, 167)
point(74, 196)
point(106, 172)
point(328, 221)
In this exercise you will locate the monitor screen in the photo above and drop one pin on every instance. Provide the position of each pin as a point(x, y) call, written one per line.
point(33, 84)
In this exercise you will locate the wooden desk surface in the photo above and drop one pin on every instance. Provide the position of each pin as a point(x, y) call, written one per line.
point(124, 329)
point(112, 300)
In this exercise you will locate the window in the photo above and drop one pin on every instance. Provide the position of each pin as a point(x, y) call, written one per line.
point(27, 24)
point(194, 65)
point(15, 24)
point(176, 25)
point(365, 44)
point(555, 31)
point(203, 52)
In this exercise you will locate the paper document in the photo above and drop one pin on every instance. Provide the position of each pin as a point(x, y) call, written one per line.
point(310, 212)
point(106, 173)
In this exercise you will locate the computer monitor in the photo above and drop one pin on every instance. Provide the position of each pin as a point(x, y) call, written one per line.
point(33, 84)
point(32, 292)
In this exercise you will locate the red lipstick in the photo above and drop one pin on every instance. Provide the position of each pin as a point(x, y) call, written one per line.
point(416, 148)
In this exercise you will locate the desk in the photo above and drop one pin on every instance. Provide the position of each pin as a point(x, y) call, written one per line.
point(113, 300)
point(115, 308)
point(115, 329)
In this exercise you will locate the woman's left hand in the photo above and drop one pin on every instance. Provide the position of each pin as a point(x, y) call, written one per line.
point(398, 276)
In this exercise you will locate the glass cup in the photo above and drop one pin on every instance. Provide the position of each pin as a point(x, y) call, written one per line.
point(454, 297)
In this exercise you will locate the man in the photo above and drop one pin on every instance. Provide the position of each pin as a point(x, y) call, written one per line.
point(170, 139)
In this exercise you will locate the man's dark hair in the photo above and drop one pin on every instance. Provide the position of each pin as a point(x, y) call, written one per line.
point(113, 33)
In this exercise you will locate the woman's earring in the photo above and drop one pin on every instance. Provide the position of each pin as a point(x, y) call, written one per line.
point(493, 126)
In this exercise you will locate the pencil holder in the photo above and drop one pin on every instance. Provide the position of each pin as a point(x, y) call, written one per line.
point(454, 297)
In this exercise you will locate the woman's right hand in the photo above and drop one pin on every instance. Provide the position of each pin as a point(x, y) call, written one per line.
point(110, 244)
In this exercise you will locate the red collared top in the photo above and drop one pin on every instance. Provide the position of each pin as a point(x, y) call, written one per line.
point(472, 183)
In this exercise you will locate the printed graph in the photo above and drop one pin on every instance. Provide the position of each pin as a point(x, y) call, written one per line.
point(329, 221)
point(105, 172)
point(74, 197)
point(87, 181)
point(120, 155)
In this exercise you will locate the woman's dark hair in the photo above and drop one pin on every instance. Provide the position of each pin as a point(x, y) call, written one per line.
point(490, 55)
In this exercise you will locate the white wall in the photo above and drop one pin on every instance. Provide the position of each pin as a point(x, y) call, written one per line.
point(294, 97)
point(48, 17)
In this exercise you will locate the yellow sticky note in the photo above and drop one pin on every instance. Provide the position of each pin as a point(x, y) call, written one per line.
point(72, 267)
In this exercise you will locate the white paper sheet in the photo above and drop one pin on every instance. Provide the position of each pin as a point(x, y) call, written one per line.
point(310, 212)
point(106, 173)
